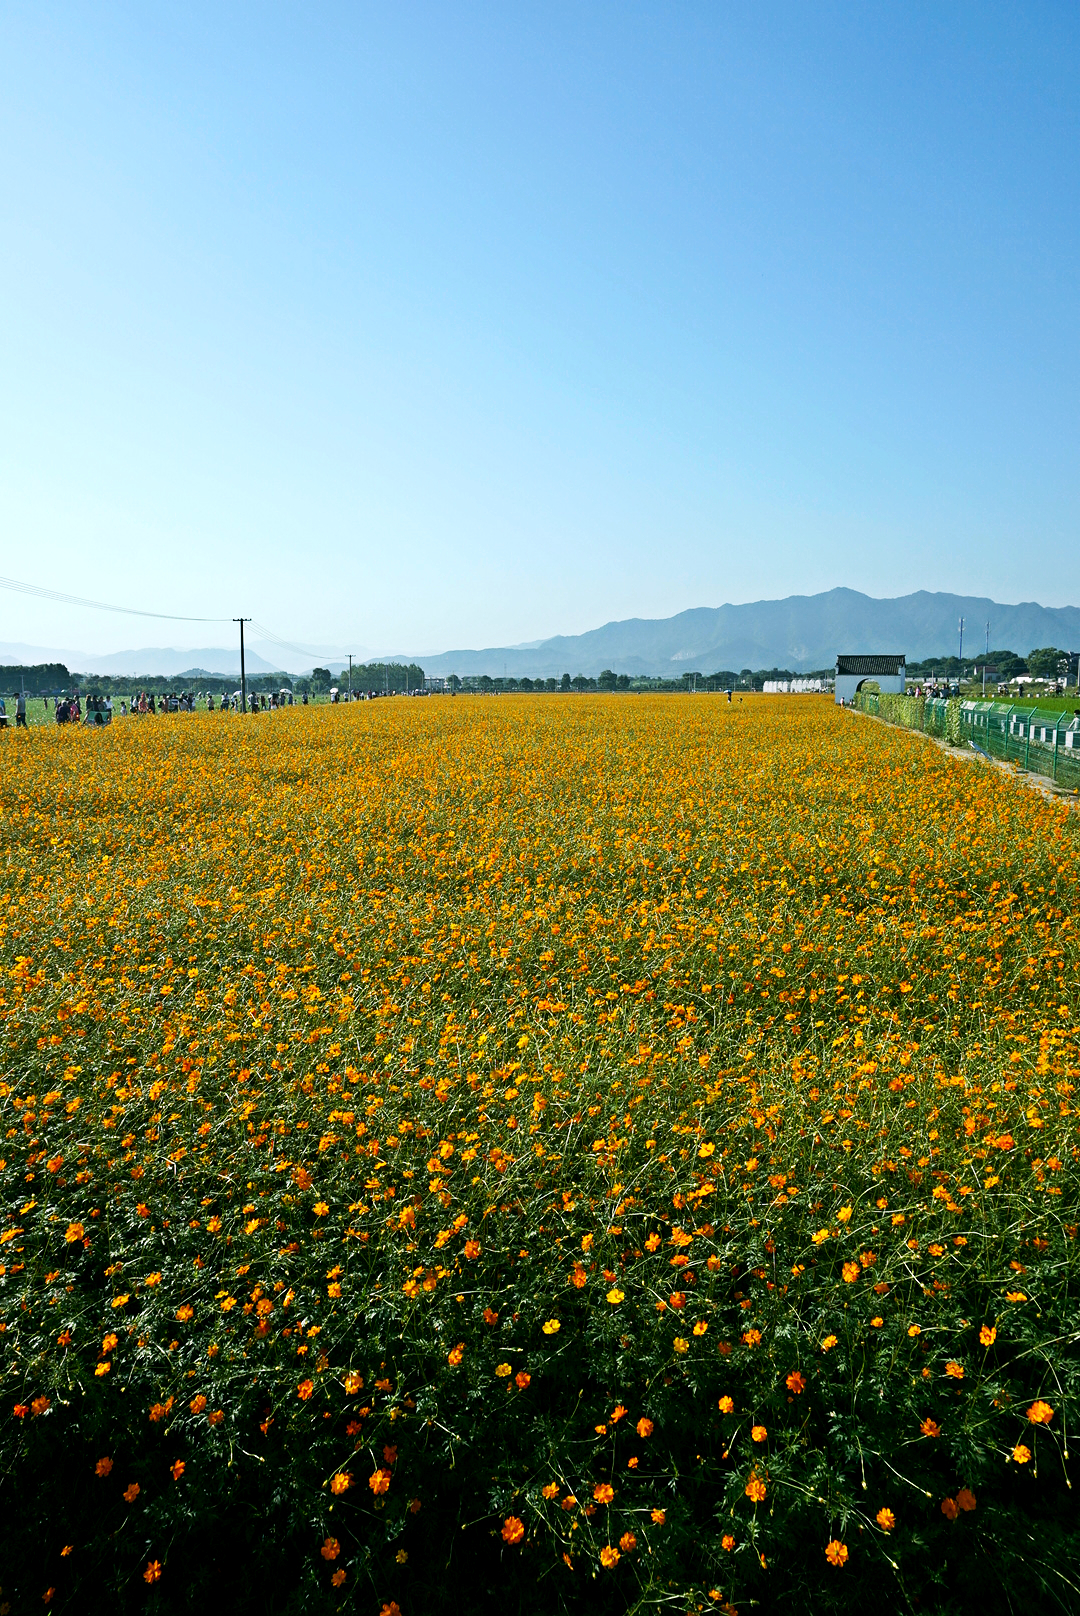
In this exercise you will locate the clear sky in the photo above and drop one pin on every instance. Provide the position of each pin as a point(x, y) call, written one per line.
point(415, 326)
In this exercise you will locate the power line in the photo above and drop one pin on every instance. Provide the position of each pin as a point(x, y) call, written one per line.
point(98, 605)
point(261, 631)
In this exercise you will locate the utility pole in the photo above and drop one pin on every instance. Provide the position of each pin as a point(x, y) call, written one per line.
point(961, 642)
point(350, 676)
point(987, 659)
point(243, 670)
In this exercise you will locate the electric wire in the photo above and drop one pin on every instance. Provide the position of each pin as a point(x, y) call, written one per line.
point(261, 632)
point(98, 605)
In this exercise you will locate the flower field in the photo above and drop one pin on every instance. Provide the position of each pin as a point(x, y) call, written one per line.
point(543, 1154)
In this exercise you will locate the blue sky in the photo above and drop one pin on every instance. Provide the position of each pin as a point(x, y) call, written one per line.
point(419, 326)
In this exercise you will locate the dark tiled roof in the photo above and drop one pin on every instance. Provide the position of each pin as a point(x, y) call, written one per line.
point(870, 665)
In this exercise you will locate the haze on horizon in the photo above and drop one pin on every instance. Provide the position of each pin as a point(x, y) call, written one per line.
point(420, 327)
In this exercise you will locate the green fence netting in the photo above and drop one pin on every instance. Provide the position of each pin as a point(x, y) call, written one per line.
point(1035, 738)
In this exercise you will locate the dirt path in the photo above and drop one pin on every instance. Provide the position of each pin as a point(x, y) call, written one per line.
point(960, 754)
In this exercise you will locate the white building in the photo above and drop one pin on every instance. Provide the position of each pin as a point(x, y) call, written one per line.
point(794, 687)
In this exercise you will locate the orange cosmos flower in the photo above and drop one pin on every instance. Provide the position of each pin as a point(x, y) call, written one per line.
point(521, 1380)
point(886, 1519)
point(836, 1553)
point(305, 1389)
point(177, 1468)
point(551, 1490)
point(965, 1498)
point(955, 1371)
point(338, 1578)
point(331, 1548)
point(103, 1467)
point(603, 1493)
point(727, 1542)
point(949, 1508)
point(1021, 1455)
point(132, 1491)
point(726, 1405)
point(455, 1355)
point(659, 1516)
point(758, 1433)
point(341, 1482)
point(153, 1571)
point(795, 1382)
point(513, 1529)
point(609, 1557)
point(755, 1489)
point(1040, 1413)
point(987, 1335)
point(379, 1481)
point(930, 1428)
point(644, 1428)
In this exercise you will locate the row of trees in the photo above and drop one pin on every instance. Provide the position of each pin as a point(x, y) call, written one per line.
point(36, 680)
point(382, 677)
point(53, 678)
point(1048, 662)
point(608, 680)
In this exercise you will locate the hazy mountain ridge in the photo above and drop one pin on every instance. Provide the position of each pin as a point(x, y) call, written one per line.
point(801, 632)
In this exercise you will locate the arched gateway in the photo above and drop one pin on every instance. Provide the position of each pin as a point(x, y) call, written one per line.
point(852, 672)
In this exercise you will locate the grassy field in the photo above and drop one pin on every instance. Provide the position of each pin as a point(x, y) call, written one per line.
point(577, 1154)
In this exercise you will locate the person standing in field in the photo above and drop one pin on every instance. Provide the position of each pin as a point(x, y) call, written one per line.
point(20, 711)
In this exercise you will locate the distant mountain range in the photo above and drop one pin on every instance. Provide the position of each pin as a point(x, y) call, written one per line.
point(802, 633)
point(164, 660)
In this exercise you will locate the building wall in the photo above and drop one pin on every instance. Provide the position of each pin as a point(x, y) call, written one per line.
point(847, 684)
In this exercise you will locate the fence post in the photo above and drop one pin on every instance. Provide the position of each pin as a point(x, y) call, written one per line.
point(1054, 775)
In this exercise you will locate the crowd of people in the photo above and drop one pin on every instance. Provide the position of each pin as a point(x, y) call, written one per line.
point(95, 709)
